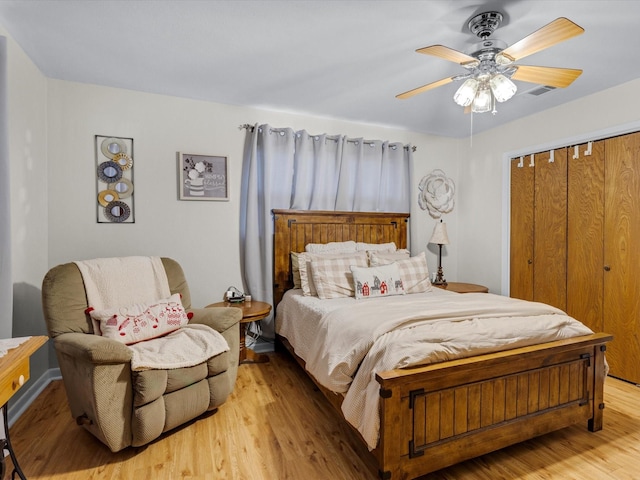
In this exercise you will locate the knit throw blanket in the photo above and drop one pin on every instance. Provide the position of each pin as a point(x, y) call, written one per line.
point(186, 347)
point(120, 281)
point(125, 281)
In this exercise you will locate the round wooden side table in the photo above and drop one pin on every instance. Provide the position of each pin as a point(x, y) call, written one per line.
point(464, 287)
point(252, 311)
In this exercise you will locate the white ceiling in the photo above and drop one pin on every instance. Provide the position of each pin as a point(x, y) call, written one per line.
point(336, 59)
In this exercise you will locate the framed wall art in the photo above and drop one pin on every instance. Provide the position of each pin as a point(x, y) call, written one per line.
point(114, 179)
point(203, 177)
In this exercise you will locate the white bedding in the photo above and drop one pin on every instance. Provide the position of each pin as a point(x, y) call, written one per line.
point(345, 341)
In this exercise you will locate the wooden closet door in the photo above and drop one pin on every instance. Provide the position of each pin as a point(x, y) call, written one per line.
point(521, 246)
point(622, 255)
point(550, 229)
point(585, 233)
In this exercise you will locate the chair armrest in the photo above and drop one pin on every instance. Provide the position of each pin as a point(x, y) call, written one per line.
point(92, 348)
point(218, 318)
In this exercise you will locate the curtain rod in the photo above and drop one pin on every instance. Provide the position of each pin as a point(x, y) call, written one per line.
point(247, 126)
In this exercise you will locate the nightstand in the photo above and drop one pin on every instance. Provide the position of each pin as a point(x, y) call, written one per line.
point(464, 287)
point(252, 311)
point(14, 372)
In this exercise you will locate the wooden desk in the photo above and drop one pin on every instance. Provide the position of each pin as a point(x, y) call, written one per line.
point(251, 312)
point(14, 372)
point(463, 287)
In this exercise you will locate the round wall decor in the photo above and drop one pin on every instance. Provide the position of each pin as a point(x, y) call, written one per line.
point(436, 193)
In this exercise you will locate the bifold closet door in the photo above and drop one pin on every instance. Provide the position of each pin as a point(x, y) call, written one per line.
point(550, 229)
point(622, 255)
point(521, 246)
point(585, 234)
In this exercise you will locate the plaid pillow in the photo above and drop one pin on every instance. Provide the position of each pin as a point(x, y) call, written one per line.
point(332, 276)
point(415, 274)
point(307, 281)
point(384, 258)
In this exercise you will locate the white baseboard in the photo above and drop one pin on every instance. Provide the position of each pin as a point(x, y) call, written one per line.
point(27, 398)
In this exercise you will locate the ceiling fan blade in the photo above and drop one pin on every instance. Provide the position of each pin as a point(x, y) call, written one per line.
point(551, 76)
point(448, 54)
point(424, 88)
point(559, 30)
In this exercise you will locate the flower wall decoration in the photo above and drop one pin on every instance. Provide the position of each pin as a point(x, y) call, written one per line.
point(436, 193)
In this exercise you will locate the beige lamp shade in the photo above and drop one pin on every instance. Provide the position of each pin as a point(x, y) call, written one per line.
point(439, 235)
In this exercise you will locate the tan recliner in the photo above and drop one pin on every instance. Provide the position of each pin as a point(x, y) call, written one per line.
point(119, 406)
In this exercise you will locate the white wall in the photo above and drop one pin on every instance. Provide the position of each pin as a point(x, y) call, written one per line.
point(484, 173)
point(28, 166)
point(202, 236)
point(27, 94)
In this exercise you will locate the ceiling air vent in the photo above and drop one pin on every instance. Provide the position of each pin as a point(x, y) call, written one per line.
point(541, 90)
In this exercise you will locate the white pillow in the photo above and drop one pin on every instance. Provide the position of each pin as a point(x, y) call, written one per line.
point(376, 247)
point(307, 281)
point(331, 247)
point(381, 281)
point(332, 277)
point(135, 323)
point(295, 269)
point(384, 258)
point(415, 274)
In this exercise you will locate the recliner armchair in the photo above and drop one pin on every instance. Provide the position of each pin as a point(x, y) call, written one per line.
point(119, 406)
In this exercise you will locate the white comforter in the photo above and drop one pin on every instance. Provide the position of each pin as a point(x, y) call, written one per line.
point(348, 344)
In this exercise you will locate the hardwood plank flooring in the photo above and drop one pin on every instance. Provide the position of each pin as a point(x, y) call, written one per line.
point(276, 425)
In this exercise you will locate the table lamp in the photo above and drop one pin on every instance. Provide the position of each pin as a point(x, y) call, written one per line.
point(440, 238)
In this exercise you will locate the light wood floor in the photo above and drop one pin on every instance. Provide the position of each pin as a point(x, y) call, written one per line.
point(277, 426)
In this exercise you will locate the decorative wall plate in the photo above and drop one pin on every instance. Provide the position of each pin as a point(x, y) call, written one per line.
point(123, 160)
point(105, 197)
point(109, 172)
point(123, 187)
point(117, 211)
point(111, 146)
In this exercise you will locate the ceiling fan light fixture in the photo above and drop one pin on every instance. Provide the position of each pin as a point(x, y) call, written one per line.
point(503, 59)
point(466, 93)
point(482, 102)
point(502, 87)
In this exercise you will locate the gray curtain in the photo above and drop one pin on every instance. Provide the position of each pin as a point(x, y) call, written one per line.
point(284, 169)
point(6, 294)
point(267, 173)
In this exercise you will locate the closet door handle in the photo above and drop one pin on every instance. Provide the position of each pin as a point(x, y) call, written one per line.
point(529, 262)
point(607, 268)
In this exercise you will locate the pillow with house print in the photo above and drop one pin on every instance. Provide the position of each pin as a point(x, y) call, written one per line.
point(380, 281)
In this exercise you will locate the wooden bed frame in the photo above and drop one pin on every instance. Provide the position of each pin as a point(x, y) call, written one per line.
point(435, 416)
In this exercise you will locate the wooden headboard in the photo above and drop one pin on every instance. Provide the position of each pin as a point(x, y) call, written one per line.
point(293, 229)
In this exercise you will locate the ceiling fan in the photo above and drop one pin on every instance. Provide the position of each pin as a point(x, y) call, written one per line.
point(490, 65)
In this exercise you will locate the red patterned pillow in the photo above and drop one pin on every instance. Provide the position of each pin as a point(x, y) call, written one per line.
point(139, 322)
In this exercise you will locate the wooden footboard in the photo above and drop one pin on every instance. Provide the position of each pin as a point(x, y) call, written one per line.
point(439, 415)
